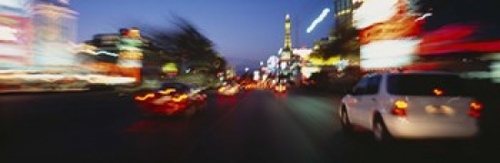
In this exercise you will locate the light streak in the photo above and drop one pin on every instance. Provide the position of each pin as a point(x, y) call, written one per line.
point(318, 20)
point(8, 34)
point(106, 53)
point(374, 11)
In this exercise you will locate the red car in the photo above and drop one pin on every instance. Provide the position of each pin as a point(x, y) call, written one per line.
point(171, 99)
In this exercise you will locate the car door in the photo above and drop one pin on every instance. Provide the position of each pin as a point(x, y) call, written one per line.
point(368, 103)
point(353, 100)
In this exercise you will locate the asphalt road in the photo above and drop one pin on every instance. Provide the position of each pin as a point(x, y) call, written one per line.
point(257, 126)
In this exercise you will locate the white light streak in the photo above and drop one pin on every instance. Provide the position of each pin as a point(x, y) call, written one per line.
point(8, 34)
point(423, 16)
point(318, 20)
point(377, 55)
point(66, 2)
point(374, 11)
point(398, 48)
point(107, 53)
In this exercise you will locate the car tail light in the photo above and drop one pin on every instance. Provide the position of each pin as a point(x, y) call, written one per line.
point(437, 91)
point(399, 108)
point(144, 97)
point(475, 109)
point(180, 98)
point(280, 88)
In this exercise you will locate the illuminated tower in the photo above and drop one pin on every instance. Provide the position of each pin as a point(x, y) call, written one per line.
point(288, 37)
point(55, 33)
point(286, 51)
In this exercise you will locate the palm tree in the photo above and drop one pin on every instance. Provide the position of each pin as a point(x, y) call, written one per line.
point(188, 44)
point(342, 42)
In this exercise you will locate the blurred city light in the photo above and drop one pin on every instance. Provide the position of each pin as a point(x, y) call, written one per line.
point(378, 55)
point(318, 20)
point(374, 11)
point(40, 53)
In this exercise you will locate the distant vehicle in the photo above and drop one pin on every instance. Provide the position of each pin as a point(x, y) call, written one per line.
point(229, 89)
point(280, 88)
point(248, 85)
point(411, 105)
point(171, 99)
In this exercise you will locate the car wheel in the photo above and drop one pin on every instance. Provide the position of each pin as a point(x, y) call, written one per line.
point(380, 132)
point(345, 122)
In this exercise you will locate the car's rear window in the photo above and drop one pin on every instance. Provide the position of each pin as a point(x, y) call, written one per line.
point(426, 85)
point(177, 86)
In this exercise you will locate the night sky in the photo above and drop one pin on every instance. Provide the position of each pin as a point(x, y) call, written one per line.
point(447, 12)
point(244, 31)
point(249, 31)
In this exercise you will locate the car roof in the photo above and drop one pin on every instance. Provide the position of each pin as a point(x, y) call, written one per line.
point(436, 72)
point(174, 84)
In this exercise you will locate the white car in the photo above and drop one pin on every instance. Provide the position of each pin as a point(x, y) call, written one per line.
point(411, 105)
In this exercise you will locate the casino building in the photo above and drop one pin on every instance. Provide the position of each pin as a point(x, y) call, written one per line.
point(37, 34)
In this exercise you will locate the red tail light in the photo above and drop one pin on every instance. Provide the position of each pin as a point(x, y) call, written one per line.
point(475, 109)
point(180, 98)
point(144, 97)
point(399, 108)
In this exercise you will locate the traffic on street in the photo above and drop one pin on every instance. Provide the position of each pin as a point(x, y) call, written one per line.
point(301, 81)
point(252, 126)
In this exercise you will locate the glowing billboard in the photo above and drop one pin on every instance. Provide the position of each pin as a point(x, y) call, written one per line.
point(405, 27)
point(15, 41)
point(374, 11)
point(387, 33)
point(130, 48)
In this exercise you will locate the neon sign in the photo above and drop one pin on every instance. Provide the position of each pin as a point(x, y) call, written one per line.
point(398, 29)
point(8, 34)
